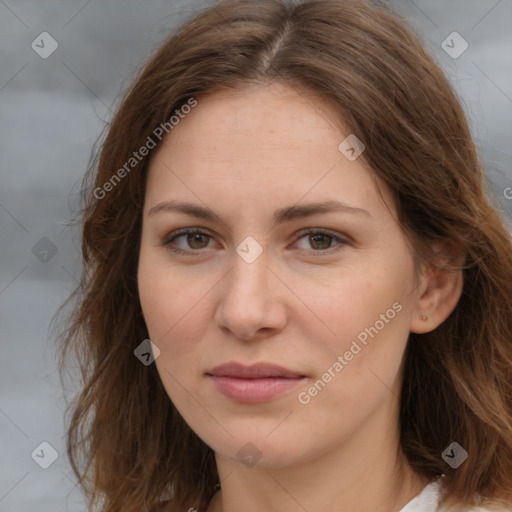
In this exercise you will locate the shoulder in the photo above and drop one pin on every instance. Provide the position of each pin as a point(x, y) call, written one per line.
point(428, 501)
point(481, 509)
point(485, 509)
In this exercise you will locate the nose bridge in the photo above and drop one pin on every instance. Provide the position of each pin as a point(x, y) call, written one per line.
point(249, 276)
point(246, 305)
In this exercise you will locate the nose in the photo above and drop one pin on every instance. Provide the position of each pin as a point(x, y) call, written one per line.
point(252, 300)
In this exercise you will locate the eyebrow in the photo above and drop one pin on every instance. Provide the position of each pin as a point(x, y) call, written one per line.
point(280, 216)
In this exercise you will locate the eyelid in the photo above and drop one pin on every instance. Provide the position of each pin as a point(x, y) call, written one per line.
point(323, 231)
point(167, 242)
point(341, 240)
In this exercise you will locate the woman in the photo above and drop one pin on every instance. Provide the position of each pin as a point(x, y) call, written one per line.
point(296, 294)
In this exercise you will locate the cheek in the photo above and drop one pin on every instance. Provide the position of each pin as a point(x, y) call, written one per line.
point(365, 320)
point(347, 305)
point(172, 321)
point(170, 298)
point(176, 313)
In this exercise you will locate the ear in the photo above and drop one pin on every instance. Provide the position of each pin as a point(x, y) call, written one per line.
point(440, 290)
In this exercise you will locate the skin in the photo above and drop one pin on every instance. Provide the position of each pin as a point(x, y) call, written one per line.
point(244, 154)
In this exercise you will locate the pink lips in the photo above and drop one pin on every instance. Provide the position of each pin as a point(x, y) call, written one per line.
point(253, 384)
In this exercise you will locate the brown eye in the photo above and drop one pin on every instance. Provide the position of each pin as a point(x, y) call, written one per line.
point(321, 241)
point(195, 240)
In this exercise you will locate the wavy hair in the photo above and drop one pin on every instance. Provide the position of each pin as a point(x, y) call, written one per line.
point(128, 445)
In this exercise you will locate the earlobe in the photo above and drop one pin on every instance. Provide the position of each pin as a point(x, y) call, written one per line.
point(441, 294)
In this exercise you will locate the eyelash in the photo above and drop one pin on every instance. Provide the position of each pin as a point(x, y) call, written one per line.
point(168, 242)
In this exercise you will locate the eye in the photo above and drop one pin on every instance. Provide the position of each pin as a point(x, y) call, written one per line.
point(197, 239)
point(321, 241)
point(194, 238)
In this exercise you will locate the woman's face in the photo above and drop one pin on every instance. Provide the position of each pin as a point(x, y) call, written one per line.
point(271, 278)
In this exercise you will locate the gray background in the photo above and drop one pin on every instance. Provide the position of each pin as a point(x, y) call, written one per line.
point(52, 110)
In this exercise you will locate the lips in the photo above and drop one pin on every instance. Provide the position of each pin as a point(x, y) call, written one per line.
point(260, 382)
point(256, 371)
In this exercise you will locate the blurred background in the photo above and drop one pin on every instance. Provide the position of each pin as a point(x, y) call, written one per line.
point(63, 66)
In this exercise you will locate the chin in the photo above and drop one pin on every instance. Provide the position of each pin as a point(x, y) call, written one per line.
point(260, 451)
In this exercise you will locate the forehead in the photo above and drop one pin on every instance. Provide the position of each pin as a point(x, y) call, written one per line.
point(256, 145)
point(275, 113)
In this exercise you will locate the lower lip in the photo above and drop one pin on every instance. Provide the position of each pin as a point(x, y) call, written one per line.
point(251, 391)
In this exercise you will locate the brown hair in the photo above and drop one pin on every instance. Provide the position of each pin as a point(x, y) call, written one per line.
point(127, 443)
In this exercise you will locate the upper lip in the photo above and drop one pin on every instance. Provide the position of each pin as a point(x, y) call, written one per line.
point(255, 371)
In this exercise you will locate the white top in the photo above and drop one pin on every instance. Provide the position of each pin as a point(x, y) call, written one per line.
point(427, 500)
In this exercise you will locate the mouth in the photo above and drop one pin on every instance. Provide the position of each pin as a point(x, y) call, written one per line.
point(258, 383)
